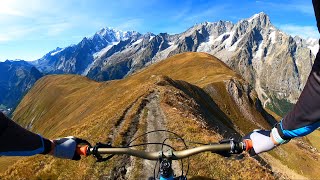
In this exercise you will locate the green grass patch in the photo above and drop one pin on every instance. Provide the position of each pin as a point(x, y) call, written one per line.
point(280, 106)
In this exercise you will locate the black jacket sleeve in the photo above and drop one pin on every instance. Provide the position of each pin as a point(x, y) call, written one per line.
point(316, 7)
point(305, 116)
point(17, 141)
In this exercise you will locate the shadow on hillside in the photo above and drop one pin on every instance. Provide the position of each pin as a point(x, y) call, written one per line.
point(214, 117)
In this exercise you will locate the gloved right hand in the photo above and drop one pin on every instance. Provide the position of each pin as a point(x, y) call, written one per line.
point(261, 141)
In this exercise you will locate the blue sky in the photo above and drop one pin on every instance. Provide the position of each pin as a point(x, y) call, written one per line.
point(31, 28)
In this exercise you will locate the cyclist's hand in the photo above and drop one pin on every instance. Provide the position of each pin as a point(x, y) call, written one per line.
point(66, 147)
point(261, 141)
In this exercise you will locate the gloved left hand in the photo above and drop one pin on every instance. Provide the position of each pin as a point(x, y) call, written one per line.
point(66, 147)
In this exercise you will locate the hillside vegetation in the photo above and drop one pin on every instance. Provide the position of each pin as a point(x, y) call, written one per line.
point(193, 94)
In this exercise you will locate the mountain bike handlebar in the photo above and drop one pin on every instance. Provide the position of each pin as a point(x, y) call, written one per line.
point(227, 147)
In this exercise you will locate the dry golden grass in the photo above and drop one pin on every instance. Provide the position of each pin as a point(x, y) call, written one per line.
point(209, 165)
point(63, 105)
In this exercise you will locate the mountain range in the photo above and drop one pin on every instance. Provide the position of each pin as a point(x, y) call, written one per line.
point(274, 63)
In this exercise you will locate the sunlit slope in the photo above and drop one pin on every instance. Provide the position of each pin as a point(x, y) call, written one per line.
point(199, 97)
point(62, 101)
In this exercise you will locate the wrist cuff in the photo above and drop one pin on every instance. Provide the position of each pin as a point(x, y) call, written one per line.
point(276, 136)
point(47, 146)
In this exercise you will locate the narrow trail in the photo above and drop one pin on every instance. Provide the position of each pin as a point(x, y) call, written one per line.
point(156, 120)
point(122, 166)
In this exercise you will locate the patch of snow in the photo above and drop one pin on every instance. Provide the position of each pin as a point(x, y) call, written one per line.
point(137, 42)
point(118, 35)
point(229, 40)
point(312, 41)
point(86, 71)
point(221, 37)
point(314, 49)
point(206, 46)
point(97, 55)
point(313, 45)
point(258, 54)
point(104, 50)
point(272, 36)
point(171, 43)
point(56, 52)
point(235, 45)
point(253, 17)
point(163, 54)
point(151, 37)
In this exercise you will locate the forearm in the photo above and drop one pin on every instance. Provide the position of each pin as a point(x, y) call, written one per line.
point(17, 141)
point(305, 116)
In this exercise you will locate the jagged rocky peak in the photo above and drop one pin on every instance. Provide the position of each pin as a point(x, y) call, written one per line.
point(149, 34)
point(210, 28)
point(84, 41)
point(113, 35)
point(260, 19)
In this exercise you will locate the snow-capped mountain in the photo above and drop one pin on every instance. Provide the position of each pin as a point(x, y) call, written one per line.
point(75, 59)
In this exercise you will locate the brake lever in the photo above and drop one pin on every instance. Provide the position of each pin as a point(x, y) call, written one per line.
point(96, 154)
point(235, 148)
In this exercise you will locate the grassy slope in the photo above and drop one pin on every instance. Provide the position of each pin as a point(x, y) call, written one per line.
point(73, 105)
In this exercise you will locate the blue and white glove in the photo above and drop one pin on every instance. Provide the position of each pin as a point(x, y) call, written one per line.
point(264, 140)
point(261, 141)
point(66, 147)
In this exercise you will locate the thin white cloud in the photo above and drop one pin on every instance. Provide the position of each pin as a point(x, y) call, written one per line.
point(32, 32)
point(15, 32)
point(10, 8)
point(57, 28)
point(131, 24)
point(208, 12)
point(302, 31)
point(30, 9)
point(304, 7)
point(34, 19)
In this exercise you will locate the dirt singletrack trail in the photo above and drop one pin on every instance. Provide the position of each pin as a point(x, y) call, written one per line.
point(156, 120)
